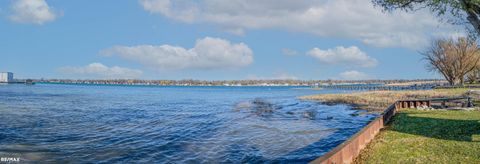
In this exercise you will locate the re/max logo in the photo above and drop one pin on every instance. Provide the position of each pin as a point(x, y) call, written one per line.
point(9, 159)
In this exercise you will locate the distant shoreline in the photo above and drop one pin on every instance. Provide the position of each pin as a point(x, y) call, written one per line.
point(154, 85)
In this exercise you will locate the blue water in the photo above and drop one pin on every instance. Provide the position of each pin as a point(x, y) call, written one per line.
point(125, 124)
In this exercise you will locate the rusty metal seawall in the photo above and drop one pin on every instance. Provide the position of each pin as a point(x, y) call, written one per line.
point(350, 149)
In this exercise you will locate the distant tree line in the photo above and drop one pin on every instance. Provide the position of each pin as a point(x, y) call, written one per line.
point(191, 82)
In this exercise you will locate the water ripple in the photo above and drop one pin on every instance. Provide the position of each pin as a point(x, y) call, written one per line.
point(114, 124)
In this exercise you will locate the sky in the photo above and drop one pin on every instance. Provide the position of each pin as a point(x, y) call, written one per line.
point(215, 39)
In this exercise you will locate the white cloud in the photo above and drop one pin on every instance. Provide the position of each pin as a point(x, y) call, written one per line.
point(354, 75)
point(289, 52)
point(351, 56)
point(356, 19)
point(98, 70)
point(31, 11)
point(182, 10)
point(208, 53)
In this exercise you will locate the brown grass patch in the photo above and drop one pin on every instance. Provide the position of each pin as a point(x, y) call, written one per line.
point(380, 100)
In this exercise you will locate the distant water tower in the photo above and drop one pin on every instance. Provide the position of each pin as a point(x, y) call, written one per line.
point(6, 77)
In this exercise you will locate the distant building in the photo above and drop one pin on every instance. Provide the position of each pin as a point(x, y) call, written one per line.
point(6, 77)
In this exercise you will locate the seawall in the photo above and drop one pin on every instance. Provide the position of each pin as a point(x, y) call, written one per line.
point(350, 149)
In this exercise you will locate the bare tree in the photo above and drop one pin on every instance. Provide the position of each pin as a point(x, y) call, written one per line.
point(472, 76)
point(453, 58)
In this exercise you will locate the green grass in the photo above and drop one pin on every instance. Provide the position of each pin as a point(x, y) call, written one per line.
point(417, 136)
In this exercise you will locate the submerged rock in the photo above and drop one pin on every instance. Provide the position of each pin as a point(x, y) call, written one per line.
point(243, 105)
point(310, 114)
point(262, 107)
point(327, 118)
point(354, 114)
point(258, 106)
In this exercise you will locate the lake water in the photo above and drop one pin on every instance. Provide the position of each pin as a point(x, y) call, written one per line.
point(130, 124)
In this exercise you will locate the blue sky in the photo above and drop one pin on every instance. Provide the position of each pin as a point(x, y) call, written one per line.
point(214, 40)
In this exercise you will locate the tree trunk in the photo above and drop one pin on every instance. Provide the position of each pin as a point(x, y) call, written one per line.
point(473, 19)
point(455, 81)
point(472, 10)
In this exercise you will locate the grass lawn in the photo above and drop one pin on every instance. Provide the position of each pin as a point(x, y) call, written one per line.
point(417, 136)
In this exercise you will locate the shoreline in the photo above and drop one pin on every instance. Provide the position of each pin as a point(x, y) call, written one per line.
point(353, 149)
point(153, 85)
point(377, 101)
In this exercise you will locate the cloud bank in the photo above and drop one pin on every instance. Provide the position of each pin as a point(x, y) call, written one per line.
point(32, 11)
point(98, 70)
point(355, 19)
point(208, 53)
point(350, 56)
point(354, 75)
